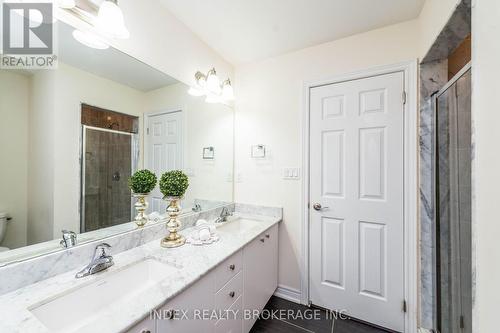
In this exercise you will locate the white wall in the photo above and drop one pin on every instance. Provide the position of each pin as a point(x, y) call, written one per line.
point(162, 41)
point(204, 125)
point(269, 108)
point(486, 178)
point(41, 157)
point(14, 108)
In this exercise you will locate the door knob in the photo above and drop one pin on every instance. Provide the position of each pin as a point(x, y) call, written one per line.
point(318, 207)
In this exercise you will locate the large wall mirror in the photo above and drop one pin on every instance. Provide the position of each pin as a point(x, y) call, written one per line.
point(71, 137)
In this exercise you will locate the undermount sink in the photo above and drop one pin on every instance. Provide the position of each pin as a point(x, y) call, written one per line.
point(72, 309)
point(238, 225)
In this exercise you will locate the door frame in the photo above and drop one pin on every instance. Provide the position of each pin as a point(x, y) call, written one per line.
point(411, 179)
point(145, 125)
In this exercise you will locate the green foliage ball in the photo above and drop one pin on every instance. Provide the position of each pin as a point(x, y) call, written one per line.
point(174, 183)
point(142, 181)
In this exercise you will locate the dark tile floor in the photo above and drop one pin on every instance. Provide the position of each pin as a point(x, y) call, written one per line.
point(289, 317)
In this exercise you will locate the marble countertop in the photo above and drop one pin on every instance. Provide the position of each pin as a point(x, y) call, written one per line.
point(192, 262)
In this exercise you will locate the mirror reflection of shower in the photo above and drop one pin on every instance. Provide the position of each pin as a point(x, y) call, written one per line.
point(110, 153)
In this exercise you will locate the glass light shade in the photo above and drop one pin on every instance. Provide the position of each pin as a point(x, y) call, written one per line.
point(227, 91)
point(213, 83)
point(66, 4)
point(110, 20)
point(202, 82)
point(89, 39)
point(196, 91)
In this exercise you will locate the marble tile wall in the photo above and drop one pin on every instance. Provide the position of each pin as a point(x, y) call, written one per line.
point(455, 31)
point(433, 76)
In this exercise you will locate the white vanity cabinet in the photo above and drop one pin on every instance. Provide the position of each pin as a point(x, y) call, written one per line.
point(243, 282)
point(260, 268)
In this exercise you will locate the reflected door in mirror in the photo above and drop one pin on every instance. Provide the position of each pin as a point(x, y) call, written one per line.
point(164, 150)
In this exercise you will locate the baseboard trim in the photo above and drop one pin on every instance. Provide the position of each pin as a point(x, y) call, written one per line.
point(290, 294)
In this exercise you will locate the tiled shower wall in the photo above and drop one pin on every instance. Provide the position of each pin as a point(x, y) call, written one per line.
point(433, 76)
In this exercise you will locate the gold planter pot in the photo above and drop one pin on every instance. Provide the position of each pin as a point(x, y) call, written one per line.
point(173, 210)
point(140, 206)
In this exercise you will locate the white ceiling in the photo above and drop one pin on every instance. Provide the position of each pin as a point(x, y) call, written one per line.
point(248, 30)
point(110, 63)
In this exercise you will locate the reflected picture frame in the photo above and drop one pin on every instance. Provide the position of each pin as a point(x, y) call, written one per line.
point(208, 153)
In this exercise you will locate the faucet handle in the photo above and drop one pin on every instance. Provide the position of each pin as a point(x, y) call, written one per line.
point(69, 238)
point(102, 247)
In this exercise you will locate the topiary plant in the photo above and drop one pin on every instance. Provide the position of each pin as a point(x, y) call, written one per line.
point(142, 181)
point(174, 183)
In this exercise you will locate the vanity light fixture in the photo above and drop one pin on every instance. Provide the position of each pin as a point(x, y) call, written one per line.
point(227, 90)
point(199, 88)
point(90, 39)
point(105, 19)
point(213, 83)
point(210, 86)
point(110, 20)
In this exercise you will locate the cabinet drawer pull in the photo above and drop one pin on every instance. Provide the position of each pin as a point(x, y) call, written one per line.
point(146, 331)
point(232, 267)
point(268, 236)
point(262, 240)
point(232, 293)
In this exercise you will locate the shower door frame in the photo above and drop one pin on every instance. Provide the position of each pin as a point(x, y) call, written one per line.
point(135, 141)
point(436, 244)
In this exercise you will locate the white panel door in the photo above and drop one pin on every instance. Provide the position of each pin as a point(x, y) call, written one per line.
point(356, 168)
point(164, 151)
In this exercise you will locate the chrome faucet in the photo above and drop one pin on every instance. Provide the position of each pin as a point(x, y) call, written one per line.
point(197, 208)
point(100, 261)
point(224, 214)
point(68, 239)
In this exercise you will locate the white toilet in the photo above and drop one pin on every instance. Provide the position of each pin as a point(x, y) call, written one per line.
point(3, 230)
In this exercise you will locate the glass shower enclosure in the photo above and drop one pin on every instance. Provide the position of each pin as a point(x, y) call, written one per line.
point(453, 205)
point(109, 158)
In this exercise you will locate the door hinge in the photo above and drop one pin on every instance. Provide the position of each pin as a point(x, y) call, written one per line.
point(404, 306)
point(462, 323)
point(308, 205)
point(147, 131)
point(404, 97)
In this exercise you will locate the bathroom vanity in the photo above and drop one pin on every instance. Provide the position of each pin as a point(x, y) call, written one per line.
point(228, 298)
point(220, 287)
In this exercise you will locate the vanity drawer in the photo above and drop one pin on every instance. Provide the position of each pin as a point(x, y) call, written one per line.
point(229, 293)
point(229, 268)
point(234, 322)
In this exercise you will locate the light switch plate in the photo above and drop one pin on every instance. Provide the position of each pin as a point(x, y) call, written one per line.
point(291, 173)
